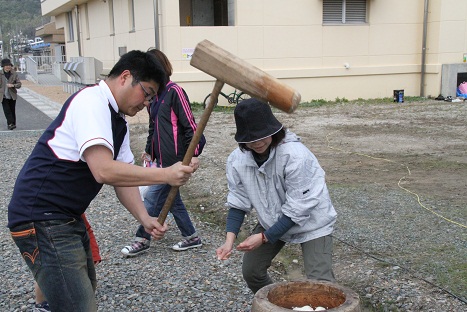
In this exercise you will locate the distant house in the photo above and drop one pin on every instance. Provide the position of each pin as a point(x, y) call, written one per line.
point(326, 49)
point(49, 41)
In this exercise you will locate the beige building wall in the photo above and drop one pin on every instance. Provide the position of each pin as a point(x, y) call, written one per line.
point(287, 39)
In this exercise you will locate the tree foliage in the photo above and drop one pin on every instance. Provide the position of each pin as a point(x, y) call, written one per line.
point(20, 17)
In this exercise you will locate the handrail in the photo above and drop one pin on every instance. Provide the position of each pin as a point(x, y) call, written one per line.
point(36, 65)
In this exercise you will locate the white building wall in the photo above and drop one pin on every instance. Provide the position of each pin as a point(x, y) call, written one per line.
point(288, 40)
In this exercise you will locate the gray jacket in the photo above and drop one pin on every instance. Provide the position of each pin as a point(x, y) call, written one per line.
point(290, 182)
point(14, 79)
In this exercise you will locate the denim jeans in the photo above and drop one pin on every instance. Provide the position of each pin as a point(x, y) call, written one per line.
point(154, 201)
point(317, 257)
point(59, 256)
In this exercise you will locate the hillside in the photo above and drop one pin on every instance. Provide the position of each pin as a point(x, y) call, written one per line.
point(20, 18)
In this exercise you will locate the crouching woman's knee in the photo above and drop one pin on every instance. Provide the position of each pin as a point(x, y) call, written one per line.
point(255, 276)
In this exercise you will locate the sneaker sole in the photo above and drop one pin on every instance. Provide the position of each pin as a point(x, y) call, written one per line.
point(185, 248)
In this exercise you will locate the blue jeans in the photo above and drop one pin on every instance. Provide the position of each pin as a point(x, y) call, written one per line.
point(154, 201)
point(59, 256)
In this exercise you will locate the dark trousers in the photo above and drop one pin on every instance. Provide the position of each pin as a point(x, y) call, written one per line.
point(9, 109)
point(317, 259)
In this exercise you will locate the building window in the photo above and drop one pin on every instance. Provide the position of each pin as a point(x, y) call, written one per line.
point(111, 17)
point(71, 31)
point(206, 12)
point(344, 11)
point(131, 12)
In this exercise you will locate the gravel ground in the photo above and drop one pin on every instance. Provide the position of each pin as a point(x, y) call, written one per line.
point(159, 280)
point(376, 222)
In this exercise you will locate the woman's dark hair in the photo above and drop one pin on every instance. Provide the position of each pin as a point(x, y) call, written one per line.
point(163, 60)
point(143, 66)
point(276, 139)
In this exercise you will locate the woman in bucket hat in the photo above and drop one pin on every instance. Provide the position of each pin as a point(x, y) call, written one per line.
point(273, 173)
point(9, 82)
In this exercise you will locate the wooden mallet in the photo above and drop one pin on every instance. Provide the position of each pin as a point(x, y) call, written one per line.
point(228, 68)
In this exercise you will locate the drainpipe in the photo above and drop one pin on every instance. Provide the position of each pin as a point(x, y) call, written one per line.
point(78, 30)
point(156, 25)
point(423, 72)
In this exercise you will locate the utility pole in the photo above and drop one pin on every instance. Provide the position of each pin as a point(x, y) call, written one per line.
point(1, 42)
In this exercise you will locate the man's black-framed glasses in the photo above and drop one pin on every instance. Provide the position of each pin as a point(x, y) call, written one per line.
point(147, 95)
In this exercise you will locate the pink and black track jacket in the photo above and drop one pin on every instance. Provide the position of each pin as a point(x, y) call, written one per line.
point(171, 127)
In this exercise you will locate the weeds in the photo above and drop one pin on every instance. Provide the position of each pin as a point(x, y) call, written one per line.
point(198, 107)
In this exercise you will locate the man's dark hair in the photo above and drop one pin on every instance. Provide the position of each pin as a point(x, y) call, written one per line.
point(143, 66)
point(276, 139)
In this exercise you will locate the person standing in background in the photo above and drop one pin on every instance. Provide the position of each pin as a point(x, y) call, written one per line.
point(22, 64)
point(8, 90)
point(171, 128)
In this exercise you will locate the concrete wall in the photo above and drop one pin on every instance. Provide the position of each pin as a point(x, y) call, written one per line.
point(288, 40)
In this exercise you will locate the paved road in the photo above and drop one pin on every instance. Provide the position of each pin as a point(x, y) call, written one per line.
point(28, 117)
point(32, 111)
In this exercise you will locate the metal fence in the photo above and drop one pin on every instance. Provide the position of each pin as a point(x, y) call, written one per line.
point(36, 65)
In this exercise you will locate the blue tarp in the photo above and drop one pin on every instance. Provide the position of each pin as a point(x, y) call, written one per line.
point(459, 94)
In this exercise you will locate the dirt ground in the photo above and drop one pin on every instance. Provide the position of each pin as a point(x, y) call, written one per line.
point(420, 146)
point(397, 175)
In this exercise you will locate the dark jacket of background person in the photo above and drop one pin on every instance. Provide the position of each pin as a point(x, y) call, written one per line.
point(13, 79)
point(175, 124)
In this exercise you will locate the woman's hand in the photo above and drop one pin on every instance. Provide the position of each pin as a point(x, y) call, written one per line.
point(251, 243)
point(224, 251)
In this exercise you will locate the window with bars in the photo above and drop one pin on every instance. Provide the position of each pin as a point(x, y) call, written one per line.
point(344, 11)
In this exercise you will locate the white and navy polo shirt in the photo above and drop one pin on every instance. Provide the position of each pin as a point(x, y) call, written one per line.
point(55, 182)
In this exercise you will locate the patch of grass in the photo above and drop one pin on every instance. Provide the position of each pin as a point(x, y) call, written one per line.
point(366, 305)
point(441, 249)
point(444, 164)
point(198, 107)
point(383, 265)
point(343, 100)
point(315, 103)
point(455, 277)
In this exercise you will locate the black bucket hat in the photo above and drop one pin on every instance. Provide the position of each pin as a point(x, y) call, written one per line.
point(6, 62)
point(255, 121)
